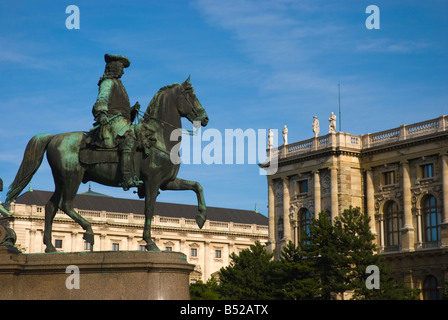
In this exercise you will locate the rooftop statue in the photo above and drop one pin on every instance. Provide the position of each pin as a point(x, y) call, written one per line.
point(116, 153)
point(332, 123)
point(315, 126)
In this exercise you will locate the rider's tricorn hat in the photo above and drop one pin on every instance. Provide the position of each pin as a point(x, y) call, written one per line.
point(114, 57)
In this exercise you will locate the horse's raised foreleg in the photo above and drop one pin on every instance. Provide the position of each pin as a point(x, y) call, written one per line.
point(50, 211)
point(181, 184)
point(150, 200)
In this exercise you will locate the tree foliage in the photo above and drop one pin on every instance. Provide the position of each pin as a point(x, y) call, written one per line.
point(205, 291)
point(250, 275)
point(330, 263)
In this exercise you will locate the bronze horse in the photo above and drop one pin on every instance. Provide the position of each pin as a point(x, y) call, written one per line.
point(153, 163)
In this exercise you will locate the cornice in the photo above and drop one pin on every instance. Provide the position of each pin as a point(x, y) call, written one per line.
point(364, 152)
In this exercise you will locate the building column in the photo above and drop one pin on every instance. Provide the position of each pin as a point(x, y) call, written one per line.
point(317, 197)
point(103, 242)
point(182, 247)
point(270, 245)
point(444, 218)
point(32, 248)
point(286, 220)
point(381, 232)
point(370, 190)
point(73, 242)
point(205, 275)
point(334, 193)
point(419, 227)
point(129, 242)
point(407, 232)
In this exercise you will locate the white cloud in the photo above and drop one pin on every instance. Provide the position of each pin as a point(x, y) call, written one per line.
point(390, 46)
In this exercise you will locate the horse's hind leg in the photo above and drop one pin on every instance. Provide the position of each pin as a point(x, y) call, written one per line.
point(181, 184)
point(150, 199)
point(50, 211)
point(66, 205)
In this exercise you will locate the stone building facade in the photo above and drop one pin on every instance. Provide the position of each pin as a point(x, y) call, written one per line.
point(118, 225)
point(399, 177)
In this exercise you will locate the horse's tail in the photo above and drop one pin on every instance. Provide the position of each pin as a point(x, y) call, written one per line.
point(32, 159)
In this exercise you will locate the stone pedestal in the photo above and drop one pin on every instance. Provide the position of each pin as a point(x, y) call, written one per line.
point(135, 275)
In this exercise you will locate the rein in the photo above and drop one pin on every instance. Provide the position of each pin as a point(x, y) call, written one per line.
point(184, 131)
point(191, 115)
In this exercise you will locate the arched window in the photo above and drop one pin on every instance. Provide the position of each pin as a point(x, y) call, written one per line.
point(430, 288)
point(430, 219)
point(305, 221)
point(393, 223)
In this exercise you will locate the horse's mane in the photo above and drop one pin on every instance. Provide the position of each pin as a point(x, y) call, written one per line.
point(155, 101)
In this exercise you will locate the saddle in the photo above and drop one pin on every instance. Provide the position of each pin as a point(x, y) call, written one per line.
point(92, 152)
point(91, 155)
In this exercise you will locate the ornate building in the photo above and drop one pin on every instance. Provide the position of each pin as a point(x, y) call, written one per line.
point(399, 177)
point(118, 225)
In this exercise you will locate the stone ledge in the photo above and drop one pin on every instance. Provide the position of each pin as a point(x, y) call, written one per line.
point(103, 275)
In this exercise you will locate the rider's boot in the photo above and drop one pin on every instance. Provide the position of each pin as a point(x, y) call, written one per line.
point(127, 169)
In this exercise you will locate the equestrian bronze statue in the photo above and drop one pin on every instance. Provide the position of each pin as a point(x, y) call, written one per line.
point(116, 153)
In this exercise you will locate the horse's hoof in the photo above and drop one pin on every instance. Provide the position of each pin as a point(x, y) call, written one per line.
point(200, 220)
point(89, 237)
point(152, 247)
point(50, 249)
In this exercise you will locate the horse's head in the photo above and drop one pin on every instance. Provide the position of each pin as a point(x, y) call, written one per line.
point(189, 105)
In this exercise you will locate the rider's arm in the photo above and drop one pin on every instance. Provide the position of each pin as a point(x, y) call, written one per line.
point(101, 105)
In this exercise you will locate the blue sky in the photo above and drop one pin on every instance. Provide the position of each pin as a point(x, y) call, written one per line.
point(254, 64)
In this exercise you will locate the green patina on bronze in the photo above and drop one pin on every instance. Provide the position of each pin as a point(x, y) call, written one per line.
point(3, 210)
point(146, 146)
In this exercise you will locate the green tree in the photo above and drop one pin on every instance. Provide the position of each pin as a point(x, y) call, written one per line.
point(357, 244)
point(205, 291)
point(297, 279)
point(250, 275)
point(338, 255)
point(322, 254)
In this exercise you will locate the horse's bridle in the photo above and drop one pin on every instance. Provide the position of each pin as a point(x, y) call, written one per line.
point(190, 116)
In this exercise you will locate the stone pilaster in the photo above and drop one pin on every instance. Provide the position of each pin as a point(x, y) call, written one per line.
point(334, 193)
point(371, 200)
point(317, 195)
point(286, 220)
point(407, 232)
point(270, 245)
point(444, 218)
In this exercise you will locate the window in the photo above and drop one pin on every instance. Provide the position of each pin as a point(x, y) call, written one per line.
point(393, 219)
point(58, 243)
point(115, 246)
point(168, 248)
point(430, 288)
point(427, 170)
point(302, 186)
point(389, 177)
point(431, 219)
point(193, 252)
point(218, 254)
point(87, 246)
point(305, 221)
point(142, 247)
